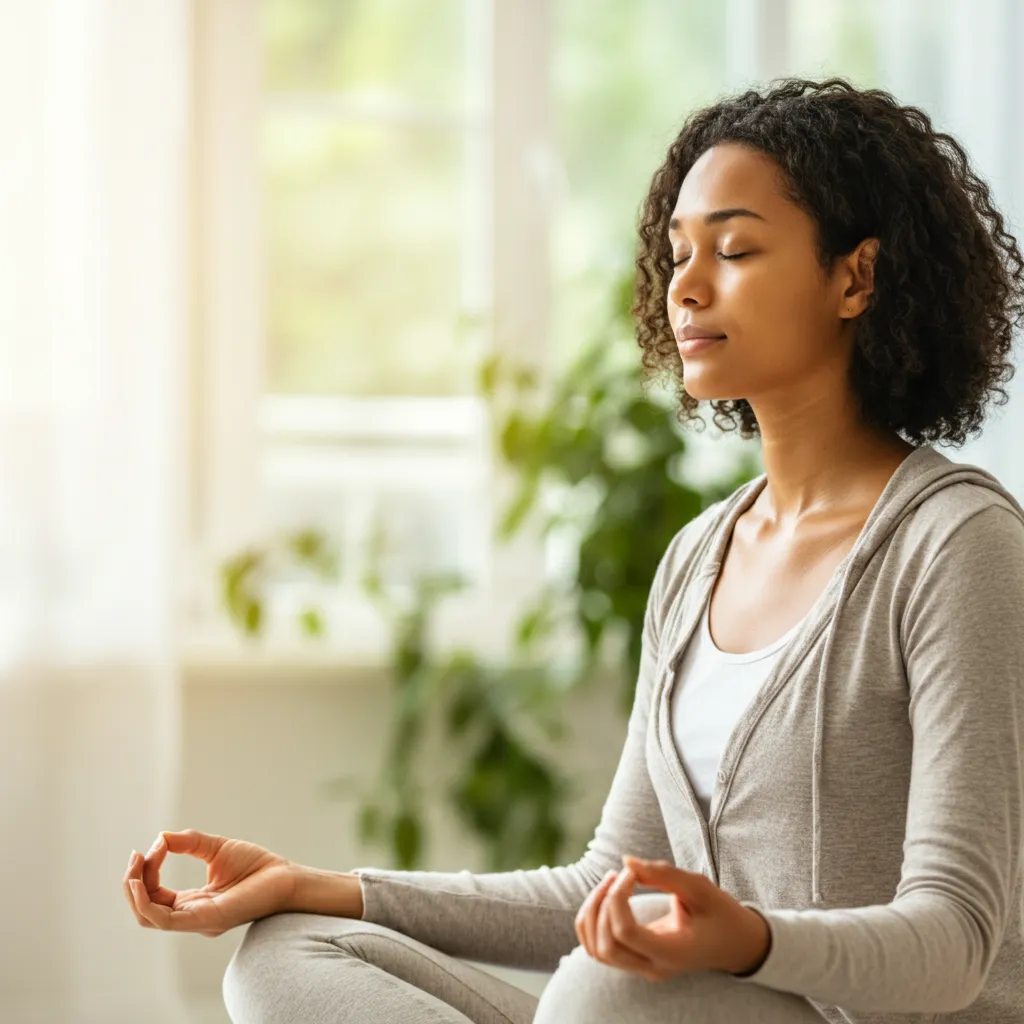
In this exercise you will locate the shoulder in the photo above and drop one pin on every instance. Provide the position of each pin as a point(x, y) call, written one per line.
point(964, 515)
point(962, 562)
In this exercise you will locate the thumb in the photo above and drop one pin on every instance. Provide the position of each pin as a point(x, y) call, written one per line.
point(689, 885)
point(194, 843)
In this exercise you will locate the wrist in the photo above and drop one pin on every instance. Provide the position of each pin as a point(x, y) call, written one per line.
point(334, 893)
point(754, 951)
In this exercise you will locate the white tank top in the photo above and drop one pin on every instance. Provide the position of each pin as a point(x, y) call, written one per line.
point(712, 690)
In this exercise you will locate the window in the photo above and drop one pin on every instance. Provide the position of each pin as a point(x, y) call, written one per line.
point(385, 189)
point(373, 178)
point(369, 216)
point(374, 181)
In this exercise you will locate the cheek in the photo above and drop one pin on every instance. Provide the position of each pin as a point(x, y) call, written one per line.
point(777, 332)
point(778, 316)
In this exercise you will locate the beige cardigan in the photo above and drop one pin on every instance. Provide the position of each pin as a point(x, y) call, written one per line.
point(870, 801)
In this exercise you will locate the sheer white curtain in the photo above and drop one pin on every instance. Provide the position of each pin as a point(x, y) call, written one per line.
point(92, 325)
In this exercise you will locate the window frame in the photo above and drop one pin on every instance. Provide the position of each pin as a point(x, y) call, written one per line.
point(233, 423)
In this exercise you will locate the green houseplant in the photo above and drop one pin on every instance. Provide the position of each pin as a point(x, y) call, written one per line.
point(602, 464)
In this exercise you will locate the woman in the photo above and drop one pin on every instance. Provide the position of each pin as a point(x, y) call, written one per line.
point(821, 793)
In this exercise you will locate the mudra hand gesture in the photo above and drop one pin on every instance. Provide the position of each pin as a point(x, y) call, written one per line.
point(243, 882)
point(706, 929)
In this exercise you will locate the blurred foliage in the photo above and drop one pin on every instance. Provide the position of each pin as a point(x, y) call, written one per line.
point(600, 436)
point(244, 577)
point(596, 460)
point(503, 791)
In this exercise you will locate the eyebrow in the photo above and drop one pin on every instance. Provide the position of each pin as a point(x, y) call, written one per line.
point(717, 216)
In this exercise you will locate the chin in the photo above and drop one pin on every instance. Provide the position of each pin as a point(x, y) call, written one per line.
point(705, 386)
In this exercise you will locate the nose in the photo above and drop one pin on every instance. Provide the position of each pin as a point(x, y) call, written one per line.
point(689, 286)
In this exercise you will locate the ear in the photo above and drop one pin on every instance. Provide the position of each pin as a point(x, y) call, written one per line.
point(859, 277)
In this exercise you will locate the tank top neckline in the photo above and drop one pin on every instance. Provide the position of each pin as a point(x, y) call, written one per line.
point(748, 656)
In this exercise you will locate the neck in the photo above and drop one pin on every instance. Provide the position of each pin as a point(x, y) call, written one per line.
point(819, 456)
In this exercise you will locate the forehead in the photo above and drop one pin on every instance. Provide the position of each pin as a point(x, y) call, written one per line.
point(730, 176)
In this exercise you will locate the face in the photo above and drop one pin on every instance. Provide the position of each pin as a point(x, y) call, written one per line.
point(746, 270)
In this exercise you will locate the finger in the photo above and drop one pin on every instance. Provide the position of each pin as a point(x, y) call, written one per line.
point(153, 862)
point(617, 898)
point(584, 913)
point(159, 916)
point(609, 950)
point(618, 920)
point(581, 914)
point(585, 907)
point(612, 955)
point(151, 873)
point(126, 885)
point(691, 886)
point(590, 919)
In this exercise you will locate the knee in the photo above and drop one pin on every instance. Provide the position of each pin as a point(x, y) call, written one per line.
point(264, 967)
point(251, 970)
point(584, 989)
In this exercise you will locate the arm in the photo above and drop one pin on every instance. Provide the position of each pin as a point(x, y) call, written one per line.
point(526, 918)
point(931, 948)
point(335, 893)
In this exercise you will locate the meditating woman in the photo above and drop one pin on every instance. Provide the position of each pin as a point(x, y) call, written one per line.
point(819, 809)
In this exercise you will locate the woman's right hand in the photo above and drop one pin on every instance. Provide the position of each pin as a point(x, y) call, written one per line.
point(244, 882)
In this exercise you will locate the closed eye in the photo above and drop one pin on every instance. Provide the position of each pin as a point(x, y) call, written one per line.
point(732, 256)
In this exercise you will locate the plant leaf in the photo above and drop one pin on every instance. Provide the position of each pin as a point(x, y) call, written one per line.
point(408, 839)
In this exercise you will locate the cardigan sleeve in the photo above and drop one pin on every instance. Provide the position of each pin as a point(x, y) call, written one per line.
point(526, 918)
point(930, 949)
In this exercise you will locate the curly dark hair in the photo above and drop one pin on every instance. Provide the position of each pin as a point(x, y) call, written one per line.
point(933, 345)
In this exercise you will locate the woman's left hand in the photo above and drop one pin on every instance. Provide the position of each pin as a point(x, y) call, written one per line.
point(706, 929)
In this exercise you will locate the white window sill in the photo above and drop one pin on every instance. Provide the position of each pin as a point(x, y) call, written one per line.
point(216, 650)
point(270, 664)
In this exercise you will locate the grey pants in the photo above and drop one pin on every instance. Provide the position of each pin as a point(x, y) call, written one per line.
point(314, 969)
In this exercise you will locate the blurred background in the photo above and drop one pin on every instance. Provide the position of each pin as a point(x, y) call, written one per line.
point(328, 497)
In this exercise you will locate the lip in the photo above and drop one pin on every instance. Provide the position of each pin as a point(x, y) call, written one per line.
point(688, 331)
point(691, 346)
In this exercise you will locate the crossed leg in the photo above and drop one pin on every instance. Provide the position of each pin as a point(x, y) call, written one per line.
point(329, 970)
point(585, 990)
